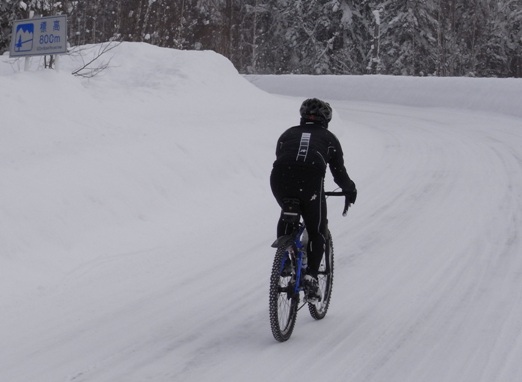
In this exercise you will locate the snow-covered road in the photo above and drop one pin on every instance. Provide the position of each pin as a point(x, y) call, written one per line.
point(434, 281)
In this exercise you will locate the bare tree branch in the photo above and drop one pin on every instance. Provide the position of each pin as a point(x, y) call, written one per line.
point(95, 65)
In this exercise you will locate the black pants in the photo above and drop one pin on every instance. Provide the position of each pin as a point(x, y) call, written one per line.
point(307, 185)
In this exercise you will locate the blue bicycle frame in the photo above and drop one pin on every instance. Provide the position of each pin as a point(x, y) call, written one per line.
point(294, 238)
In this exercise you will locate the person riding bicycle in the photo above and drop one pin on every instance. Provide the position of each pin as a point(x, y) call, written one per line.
point(303, 153)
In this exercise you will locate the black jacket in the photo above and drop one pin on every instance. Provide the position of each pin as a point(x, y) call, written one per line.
point(310, 145)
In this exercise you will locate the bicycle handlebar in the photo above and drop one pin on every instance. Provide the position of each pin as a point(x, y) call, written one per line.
point(347, 204)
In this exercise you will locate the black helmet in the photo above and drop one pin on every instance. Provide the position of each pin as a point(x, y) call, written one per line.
point(314, 109)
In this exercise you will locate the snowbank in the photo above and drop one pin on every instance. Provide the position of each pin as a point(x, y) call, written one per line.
point(118, 161)
point(482, 94)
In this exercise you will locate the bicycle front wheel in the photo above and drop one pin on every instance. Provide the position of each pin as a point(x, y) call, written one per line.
point(325, 278)
point(283, 300)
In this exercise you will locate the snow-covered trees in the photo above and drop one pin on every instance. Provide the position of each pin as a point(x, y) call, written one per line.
point(401, 37)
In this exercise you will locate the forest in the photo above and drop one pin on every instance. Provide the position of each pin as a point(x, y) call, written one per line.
point(475, 38)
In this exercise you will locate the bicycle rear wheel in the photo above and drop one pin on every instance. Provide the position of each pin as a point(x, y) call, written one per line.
point(283, 300)
point(325, 278)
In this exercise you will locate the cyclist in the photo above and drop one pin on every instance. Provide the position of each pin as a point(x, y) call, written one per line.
point(302, 155)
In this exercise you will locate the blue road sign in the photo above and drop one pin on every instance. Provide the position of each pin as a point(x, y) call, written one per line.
point(40, 36)
point(24, 37)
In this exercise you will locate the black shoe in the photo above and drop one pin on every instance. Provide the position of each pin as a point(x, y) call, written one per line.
point(311, 289)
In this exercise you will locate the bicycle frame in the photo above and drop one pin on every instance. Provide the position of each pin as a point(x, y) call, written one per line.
point(295, 237)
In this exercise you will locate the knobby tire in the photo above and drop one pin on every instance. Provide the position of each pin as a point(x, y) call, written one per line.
point(282, 300)
point(325, 278)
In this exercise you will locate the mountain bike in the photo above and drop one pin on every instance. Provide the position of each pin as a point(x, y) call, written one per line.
point(288, 292)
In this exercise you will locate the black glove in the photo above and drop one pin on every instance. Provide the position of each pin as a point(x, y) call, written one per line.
point(352, 195)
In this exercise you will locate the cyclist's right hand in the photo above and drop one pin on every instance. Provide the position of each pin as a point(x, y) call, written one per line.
point(351, 195)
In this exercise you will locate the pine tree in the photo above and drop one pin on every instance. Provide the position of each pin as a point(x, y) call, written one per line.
point(401, 37)
point(408, 37)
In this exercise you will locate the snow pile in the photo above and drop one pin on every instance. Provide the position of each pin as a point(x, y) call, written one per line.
point(481, 94)
point(113, 163)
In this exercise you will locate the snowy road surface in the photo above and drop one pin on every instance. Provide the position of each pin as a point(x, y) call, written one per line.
point(154, 261)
